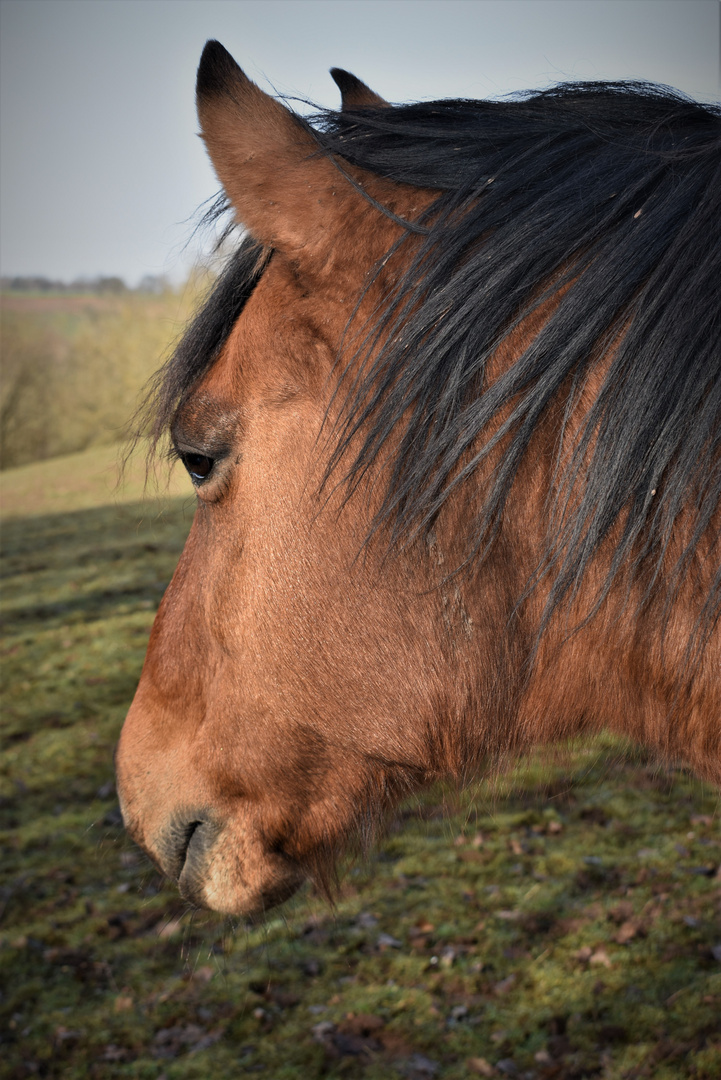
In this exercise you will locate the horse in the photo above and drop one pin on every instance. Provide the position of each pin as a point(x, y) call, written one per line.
point(452, 413)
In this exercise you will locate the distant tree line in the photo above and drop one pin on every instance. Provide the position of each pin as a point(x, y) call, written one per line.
point(97, 286)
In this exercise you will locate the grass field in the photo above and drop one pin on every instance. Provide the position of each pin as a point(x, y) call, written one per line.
point(562, 923)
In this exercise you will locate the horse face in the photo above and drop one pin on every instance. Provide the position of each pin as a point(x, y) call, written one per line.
point(289, 683)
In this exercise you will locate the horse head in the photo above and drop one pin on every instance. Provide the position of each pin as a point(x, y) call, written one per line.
point(292, 679)
point(451, 413)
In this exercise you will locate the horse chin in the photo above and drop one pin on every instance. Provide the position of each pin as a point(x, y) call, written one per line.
point(248, 900)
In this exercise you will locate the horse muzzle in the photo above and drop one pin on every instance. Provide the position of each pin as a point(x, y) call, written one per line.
point(220, 864)
point(224, 849)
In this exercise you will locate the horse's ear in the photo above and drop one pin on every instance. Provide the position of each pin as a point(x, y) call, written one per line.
point(354, 93)
point(266, 159)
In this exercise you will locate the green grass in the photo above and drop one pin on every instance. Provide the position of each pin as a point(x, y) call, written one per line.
point(563, 922)
point(88, 480)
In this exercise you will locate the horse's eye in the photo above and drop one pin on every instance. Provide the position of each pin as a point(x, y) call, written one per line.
point(198, 465)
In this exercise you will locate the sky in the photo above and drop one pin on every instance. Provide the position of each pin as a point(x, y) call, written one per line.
point(101, 170)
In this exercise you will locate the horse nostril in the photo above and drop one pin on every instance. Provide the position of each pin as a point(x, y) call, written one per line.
point(190, 829)
point(185, 844)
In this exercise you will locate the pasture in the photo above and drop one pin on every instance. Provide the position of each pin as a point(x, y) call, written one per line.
point(561, 921)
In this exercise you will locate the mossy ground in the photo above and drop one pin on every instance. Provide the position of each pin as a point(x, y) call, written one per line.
point(562, 922)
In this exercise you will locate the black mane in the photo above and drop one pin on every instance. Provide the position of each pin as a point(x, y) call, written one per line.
point(613, 190)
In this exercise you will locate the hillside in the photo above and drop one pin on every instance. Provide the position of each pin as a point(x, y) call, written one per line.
point(74, 366)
